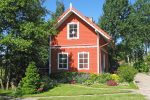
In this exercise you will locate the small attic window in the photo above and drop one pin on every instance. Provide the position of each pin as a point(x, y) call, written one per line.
point(73, 30)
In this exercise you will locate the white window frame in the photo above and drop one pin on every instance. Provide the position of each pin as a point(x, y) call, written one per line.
point(58, 60)
point(79, 59)
point(68, 36)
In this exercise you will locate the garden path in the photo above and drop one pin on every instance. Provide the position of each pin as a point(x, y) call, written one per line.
point(143, 82)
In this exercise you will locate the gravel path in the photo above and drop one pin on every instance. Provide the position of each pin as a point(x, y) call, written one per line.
point(143, 82)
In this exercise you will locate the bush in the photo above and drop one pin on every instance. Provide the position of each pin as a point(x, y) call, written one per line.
point(46, 83)
point(68, 77)
point(29, 83)
point(103, 78)
point(115, 77)
point(126, 73)
point(141, 66)
point(64, 77)
point(94, 78)
point(82, 77)
point(112, 83)
point(88, 82)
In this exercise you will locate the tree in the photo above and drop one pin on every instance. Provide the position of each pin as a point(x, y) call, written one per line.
point(115, 14)
point(59, 9)
point(23, 37)
point(136, 38)
point(29, 83)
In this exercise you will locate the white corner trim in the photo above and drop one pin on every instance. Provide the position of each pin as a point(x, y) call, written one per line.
point(88, 61)
point(69, 32)
point(98, 55)
point(58, 60)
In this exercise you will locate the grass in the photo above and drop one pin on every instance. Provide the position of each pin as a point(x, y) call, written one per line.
point(82, 92)
point(74, 90)
point(5, 92)
point(101, 97)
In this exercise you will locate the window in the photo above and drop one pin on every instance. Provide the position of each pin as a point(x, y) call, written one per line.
point(73, 30)
point(62, 60)
point(83, 60)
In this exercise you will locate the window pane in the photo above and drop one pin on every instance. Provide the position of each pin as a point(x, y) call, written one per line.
point(81, 61)
point(80, 65)
point(60, 55)
point(75, 25)
point(64, 65)
point(80, 55)
point(65, 56)
point(85, 65)
point(64, 60)
point(85, 60)
point(60, 60)
point(85, 55)
point(60, 66)
point(71, 26)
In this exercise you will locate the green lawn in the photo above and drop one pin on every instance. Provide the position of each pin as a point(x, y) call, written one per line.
point(74, 90)
point(5, 92)
point(101, 97)
point(82, 92)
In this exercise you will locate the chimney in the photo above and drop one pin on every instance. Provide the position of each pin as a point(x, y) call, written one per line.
point(90, 18)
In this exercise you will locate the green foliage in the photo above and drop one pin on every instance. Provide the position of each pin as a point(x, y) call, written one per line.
point(115, 77)
point(67, 77)
point(141, 66)
point(47, 83)
point(126, 73)
point(24, 36)
point(59, 9)
point(29, 83)
point(103, 78)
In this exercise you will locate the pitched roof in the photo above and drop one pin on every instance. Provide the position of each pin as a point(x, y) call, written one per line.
point(72, 10)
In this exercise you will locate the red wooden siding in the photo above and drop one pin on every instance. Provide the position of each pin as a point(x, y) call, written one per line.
point(87, 34)
point(88, 39)
point(73, 59)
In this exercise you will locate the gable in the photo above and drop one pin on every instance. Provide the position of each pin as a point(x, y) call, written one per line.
point(71, 11)
point(87, 34)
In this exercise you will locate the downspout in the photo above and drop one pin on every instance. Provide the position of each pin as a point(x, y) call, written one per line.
point(49, 54)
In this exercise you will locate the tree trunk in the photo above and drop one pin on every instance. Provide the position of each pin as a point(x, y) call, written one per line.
point(8, 81)
point(1, 84)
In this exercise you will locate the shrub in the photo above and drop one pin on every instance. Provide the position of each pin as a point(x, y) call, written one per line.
point(115, 77)
point(126, 73)
point(68, 77)
point(88, 82)
point(103, 78)
point(112, 83)
point(141, 66)
point(82, 77)
point(64, 77)
point(94, 78)
point(29, 83)
point(46, 83)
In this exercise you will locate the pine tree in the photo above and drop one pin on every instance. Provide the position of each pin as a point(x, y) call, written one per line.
point(59, 9)
point(29, 83)
point(115, 14)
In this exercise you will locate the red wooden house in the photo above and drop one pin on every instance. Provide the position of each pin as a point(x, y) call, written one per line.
point(80, 45)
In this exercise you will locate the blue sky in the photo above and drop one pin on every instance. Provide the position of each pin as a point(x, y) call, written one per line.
point(89, 8)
